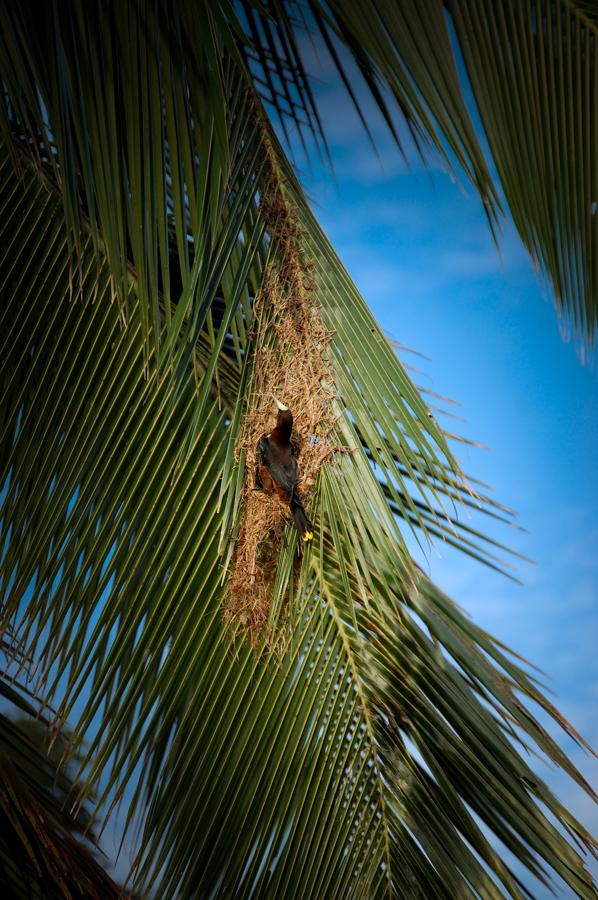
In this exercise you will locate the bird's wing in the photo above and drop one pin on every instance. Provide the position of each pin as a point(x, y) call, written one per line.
point(280, 463)
point(262, 451)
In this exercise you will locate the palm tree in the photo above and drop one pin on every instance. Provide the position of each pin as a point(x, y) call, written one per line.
point(319, 721)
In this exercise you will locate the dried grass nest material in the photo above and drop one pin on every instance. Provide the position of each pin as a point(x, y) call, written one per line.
point(290, 362)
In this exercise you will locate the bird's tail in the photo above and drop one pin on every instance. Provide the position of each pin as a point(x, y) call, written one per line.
point(302, 523)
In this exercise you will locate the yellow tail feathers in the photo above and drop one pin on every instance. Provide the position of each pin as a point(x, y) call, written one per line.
point(307, 536)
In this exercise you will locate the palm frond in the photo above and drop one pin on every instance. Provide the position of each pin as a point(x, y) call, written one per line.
point(532, 68)
point(112, 516)
point(135, 150)
point(135, 242)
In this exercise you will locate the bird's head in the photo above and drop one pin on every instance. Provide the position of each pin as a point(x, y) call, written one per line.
point(284, 418)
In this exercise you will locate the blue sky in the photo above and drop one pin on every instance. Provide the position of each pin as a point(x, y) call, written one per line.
point(419, 249)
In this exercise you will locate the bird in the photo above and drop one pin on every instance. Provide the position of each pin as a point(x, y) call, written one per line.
point(276, 468)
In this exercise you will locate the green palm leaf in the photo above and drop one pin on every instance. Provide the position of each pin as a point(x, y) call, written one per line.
point(531, 65)
point(137, 242)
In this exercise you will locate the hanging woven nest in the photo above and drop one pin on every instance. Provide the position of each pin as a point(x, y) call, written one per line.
point(291, 362)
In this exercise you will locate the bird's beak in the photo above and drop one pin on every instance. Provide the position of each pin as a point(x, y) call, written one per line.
point(280, 405)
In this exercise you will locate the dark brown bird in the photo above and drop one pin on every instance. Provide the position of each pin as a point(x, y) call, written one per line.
point(276, 468)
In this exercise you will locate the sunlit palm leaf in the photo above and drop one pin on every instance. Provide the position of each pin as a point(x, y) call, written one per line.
point(135, 145)
point(117, 559)
point(315, 768)
point(531, 65)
